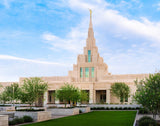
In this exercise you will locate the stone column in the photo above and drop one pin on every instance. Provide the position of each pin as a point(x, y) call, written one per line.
point(3, 120)
point(91, 96)
point(108, 96)
point(45, 98)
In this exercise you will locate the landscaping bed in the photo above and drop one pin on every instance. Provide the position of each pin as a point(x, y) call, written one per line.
point(95, 118)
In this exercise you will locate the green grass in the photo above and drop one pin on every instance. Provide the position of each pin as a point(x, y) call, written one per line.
point(96, 118)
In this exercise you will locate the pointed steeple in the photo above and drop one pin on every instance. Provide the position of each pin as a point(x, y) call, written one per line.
point(90, 24)
point(90, 39)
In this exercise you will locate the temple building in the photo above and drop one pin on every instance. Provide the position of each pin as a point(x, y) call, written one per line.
point(91, 74)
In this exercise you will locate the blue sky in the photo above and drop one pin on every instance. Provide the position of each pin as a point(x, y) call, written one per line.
point(43, 38)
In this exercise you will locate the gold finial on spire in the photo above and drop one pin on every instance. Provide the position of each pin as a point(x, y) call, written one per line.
point(90, 12)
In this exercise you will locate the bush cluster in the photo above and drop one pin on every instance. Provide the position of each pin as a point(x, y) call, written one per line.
point(24, 119)
point(112, 108)
point(30, 110)
point(147, 121)
point(80, 111)
point(143, 111)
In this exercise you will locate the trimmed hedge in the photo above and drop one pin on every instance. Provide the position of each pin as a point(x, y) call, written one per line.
point(16, 121)
point(112, 108)
point(27, 119)
point(147, 121)
point(24, 119)
point(30, 110)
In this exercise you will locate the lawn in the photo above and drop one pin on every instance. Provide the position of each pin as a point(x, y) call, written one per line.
point(96, 118)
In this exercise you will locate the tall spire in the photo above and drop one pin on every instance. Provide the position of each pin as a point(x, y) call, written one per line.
point(90, 29)
point(90, 24)
point(90, 39)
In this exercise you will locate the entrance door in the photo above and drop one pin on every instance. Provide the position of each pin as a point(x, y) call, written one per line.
point(101, 96)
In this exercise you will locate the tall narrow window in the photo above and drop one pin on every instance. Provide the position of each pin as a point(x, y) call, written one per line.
point(81, 72)
point(89, 55)
point(86, 72)
point(92, 71)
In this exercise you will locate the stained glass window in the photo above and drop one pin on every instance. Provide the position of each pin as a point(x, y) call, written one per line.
point(81, 72)
point(89, 55)
point(86, 72)
point(92, 72)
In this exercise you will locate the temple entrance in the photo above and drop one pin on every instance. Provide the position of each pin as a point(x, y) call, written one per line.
point(51, 97)
point(101, 96)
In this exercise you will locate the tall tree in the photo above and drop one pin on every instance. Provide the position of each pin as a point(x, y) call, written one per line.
point(120, 90)
point(33, 89)
point(148, 93)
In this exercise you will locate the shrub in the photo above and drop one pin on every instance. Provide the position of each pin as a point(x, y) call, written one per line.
point(27, 119)
point(111, 108)
point(13, 122)
point(16, 121)
point(30, 110)
point(101, 108)
point(116, 108)
point(80, 111)
point(120, 108)
point(143, 111)
point(147, 121)
point(129, 108)
point(19, 120)
point(137, 107)
point(107, 108)
point(125, 108)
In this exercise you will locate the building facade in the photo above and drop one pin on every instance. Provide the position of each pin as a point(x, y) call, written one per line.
point(91, 74)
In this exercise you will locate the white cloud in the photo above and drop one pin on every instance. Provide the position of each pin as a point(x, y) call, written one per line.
point(7, 3)
point(12, 68)
point(7, 57)
point(73, 42)
point(158, 6)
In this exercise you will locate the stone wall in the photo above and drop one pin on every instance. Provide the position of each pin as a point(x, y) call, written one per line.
point(85, 109)
point(3, 120)
point(114, 106)
point(37, 116)
point(64, 111)
point(3, 109)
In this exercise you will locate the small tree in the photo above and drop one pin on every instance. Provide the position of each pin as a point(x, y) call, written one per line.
point(33, 89)
point(11, 93)
point(148, 93)
point(3, 97)
point(120, 90)
point(68, 93)
point(84, 96)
